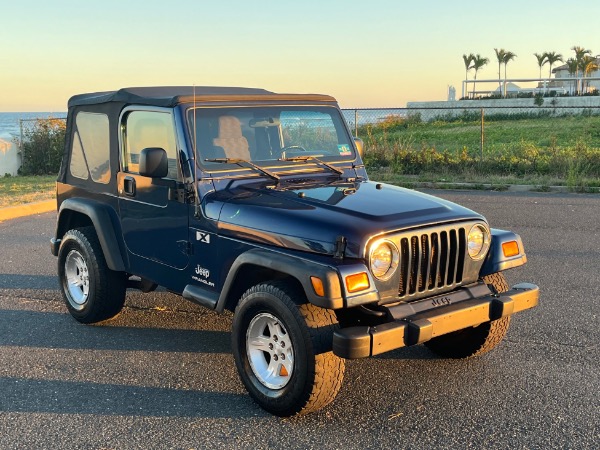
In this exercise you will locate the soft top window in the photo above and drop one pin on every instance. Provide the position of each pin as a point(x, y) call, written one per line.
point(90, 152)
point(149, 129)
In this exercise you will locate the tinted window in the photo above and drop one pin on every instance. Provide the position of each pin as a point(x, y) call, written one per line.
point(146, 129)
point(90, 153)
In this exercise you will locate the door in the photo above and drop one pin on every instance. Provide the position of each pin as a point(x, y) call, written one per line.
point(154, 219)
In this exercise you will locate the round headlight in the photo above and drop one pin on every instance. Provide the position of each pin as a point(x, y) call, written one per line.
point(478, 241)
point(383, 259)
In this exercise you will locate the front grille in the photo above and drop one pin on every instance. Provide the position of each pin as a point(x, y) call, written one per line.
point(431, 261)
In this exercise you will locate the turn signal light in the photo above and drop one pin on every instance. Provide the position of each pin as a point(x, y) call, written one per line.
point(317, 285)
point(357, 282)
point(510, 248)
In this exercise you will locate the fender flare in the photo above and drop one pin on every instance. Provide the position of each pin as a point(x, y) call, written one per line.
point(100, 215)
point(495, 260)
point(297, 267)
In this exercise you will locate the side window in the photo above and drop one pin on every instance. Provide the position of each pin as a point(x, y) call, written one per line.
point(145, 129)
point(90, 151)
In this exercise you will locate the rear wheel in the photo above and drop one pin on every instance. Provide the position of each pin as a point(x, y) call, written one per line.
point(282, 350)
point(91, 291)
point(474, 341)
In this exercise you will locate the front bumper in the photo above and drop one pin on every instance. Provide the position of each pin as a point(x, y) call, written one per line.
point(416, 323)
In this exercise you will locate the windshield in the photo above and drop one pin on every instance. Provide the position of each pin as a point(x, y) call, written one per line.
point(269, 134)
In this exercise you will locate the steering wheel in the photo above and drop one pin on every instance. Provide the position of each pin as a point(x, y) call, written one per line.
point(293, 147)
point(298, 148)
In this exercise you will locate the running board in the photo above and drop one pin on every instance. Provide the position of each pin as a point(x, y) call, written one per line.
point(201, 296)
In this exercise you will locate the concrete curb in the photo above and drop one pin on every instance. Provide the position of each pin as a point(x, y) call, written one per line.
point(28, 209)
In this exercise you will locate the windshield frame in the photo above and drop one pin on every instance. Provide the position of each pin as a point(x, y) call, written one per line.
point(278, 165)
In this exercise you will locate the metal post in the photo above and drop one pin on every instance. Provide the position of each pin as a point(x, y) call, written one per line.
point(21, 142)
point(356, 122)
point(21, 134)
point(482, 132)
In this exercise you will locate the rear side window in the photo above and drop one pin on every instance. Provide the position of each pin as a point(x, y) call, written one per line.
point(144, 129)
point(90, 149)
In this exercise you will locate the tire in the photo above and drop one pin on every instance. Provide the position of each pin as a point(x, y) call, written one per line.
point(474, 341)
point(273, 328)
point(92, 292)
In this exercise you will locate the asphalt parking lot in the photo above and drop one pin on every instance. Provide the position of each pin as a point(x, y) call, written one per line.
point(161, 375)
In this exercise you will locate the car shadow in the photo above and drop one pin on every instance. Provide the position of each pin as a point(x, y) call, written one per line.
point(69, 397)
point(20, 281)
point(55, 330)
point(58, 331)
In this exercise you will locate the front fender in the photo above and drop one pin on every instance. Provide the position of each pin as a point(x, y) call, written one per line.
point(495, 260)
point(297, 267)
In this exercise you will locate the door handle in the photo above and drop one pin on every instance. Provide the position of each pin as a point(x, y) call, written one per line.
point(129, 186)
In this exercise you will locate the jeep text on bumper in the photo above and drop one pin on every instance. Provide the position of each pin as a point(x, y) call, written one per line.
point(418, 322)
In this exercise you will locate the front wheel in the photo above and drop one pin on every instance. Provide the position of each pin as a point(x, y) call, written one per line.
point(474, 341)
point(282, 350)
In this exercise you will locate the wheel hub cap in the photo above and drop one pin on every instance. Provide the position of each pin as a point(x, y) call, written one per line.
point(270, 351)
point(78, 279)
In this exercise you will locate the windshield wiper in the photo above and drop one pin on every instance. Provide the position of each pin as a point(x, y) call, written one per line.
point(240, 162)
point(313, 158)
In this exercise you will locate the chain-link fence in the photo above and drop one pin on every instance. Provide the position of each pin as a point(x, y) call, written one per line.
point(545, 140)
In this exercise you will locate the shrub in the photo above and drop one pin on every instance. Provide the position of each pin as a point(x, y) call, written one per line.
point(42, 147)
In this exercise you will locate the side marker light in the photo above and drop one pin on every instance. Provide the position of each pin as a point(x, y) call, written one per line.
point(318, 287)
point(510, 248)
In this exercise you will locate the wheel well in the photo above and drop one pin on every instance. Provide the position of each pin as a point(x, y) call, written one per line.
point(250, 275)
point(72, 219)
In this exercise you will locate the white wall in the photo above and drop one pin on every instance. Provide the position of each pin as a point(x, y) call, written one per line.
point(10, 159)
point(568, 105)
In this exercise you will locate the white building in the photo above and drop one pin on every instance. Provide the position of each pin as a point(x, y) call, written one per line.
point(563, 72)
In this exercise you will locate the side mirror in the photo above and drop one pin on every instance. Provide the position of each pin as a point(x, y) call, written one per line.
point(360, 146)
point(154, 163)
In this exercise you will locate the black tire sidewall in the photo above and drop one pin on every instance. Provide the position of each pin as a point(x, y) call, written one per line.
point(292, 397)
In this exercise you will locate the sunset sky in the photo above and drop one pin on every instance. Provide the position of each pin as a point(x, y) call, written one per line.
point(377, 53)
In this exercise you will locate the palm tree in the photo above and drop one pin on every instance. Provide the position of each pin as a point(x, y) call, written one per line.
point(478, 62)
point(500, 54)
point(508, 56)
point(551, 58)
point(587, 65)
point(468, 60)
point(580, 52)
point(541, 59)
point(572, 67)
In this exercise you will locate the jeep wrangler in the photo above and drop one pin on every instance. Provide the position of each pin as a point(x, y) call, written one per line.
point(245, 200)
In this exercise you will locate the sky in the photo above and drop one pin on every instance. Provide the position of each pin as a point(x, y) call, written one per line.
point(376, 53)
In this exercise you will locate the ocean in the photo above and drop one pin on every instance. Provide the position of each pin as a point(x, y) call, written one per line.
point(9, 122)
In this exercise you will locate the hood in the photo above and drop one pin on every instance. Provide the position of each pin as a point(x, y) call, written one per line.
point(312, 216)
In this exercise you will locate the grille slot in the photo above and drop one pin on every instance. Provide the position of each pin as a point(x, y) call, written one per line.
point(431, 261)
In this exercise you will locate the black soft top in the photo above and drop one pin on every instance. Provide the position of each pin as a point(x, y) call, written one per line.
point(168, 96)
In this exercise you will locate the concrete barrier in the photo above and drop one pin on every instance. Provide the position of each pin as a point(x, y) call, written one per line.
point(10, 158)
point(554, 105)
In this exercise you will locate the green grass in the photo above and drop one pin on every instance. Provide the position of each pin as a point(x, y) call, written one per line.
point(454, 136)
point(19, 190)
point(541, 151)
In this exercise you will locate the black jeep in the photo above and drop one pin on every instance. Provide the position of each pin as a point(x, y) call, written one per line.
point(259, 203)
